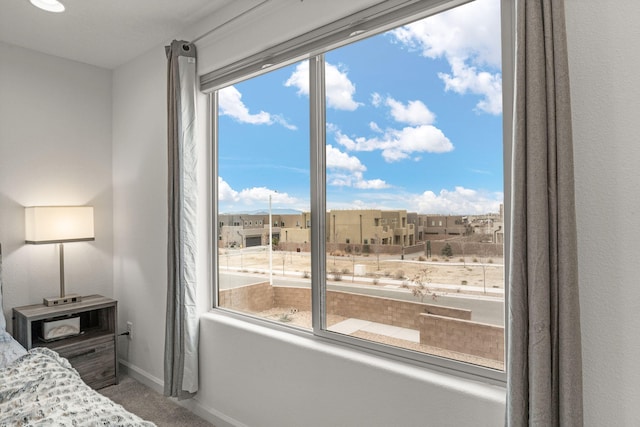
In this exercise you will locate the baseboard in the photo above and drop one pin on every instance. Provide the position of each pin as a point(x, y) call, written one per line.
point(215, 417)
point(142, 376)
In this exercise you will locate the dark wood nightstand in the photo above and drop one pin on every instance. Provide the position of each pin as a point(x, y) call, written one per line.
point(93, 353)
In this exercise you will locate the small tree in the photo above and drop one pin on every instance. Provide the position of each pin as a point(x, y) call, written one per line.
point(447, 251)
point(420, 285)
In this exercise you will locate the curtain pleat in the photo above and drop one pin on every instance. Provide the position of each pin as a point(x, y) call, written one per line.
point(181, 336)
point(544, 363)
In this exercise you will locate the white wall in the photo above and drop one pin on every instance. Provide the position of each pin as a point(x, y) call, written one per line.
point(603, 40)
point(140, 207)
point(55, 149)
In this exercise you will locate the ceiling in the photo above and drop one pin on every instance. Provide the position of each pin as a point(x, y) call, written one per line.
point(105, 33)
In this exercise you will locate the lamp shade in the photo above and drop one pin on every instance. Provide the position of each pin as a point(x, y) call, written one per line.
point(58, 224)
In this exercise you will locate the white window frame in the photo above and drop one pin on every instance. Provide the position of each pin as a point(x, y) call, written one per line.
point(366, 23)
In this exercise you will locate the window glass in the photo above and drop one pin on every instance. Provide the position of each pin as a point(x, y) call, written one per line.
point(263, 168)
point(414, 129)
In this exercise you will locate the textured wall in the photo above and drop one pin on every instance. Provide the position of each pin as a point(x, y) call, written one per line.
point(604, 61)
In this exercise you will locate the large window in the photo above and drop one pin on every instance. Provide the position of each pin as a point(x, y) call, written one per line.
point(360, 189)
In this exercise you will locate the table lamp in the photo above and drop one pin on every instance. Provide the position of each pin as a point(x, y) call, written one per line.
point(59, 224)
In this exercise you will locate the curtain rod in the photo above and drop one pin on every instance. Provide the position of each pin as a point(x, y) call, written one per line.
point(246, 12)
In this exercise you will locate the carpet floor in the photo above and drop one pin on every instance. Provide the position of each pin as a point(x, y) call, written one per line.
point(150, 405)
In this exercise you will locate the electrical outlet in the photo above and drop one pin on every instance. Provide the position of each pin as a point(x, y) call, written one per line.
point(130, 329)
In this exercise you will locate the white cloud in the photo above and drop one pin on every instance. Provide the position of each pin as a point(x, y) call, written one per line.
point(468, 47)
point(372, 184)
point(251, 197)
point(337, 159)
point(344, 170)
point(376, 99)
point(300, 78)
point(225, 192)
point(230, 104)
point(355, 180)
point(374, 127)
point(460, 201)
point(414, 113)
point(465, 79)
point(400, 144)
point(340, 90)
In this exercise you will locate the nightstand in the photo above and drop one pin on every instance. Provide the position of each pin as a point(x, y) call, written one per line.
point(93, 353)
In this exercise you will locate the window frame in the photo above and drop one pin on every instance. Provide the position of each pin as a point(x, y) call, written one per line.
point(312, 46)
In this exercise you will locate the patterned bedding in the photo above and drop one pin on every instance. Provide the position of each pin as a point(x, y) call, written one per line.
point(42, 388)
point(10, 350)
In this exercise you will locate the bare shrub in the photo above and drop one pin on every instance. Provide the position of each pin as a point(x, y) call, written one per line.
point(420, 285)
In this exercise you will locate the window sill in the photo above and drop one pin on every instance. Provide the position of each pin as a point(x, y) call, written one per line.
point(298, 340)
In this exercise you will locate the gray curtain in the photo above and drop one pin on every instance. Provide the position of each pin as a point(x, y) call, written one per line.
point(544, 363)
point(181, 337)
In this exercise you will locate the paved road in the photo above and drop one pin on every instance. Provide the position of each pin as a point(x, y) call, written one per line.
point(484, 309)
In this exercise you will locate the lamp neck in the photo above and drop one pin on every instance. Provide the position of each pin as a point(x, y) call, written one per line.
point(61, 251)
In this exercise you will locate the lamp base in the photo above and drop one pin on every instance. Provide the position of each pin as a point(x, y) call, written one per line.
point(67, 299)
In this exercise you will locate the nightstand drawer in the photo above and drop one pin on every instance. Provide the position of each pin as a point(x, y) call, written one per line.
point(94, 360)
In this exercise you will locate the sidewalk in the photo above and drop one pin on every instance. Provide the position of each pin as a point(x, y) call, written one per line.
point(351, 326)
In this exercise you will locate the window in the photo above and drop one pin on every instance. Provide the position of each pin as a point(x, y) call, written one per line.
point(250, 117)
point(404, 121)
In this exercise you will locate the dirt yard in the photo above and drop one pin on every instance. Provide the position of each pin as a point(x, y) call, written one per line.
point(461, 272)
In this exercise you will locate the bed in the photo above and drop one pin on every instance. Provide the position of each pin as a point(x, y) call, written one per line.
point(38, 387)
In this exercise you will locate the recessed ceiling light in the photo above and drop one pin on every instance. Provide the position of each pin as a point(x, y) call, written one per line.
point(48, 5)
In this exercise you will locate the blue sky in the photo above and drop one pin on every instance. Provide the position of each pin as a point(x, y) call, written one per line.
point(414, 121)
